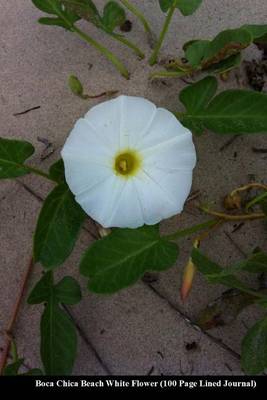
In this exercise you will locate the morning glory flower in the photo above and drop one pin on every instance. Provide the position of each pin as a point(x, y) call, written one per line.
point(129, 163)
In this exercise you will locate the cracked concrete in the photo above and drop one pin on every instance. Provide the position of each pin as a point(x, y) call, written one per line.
point(144, 329)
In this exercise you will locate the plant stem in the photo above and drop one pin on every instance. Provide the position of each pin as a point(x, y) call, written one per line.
point(256, 200)
point(189, 231)
point(229, 217)
point(167, 74)
point(37, 171)
point(11, 323)
point(107, 93)
point(127, 43)
point(108, 54)
point(138, 14)
point(154, 57)
point(249, 186)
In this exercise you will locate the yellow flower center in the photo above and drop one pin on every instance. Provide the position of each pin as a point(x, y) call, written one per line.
point(127, 163)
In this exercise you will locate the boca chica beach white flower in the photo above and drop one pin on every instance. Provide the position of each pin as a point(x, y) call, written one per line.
point(129, 163)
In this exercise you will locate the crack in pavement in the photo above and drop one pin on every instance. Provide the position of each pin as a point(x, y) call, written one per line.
point(188, 320)
point(87, 341)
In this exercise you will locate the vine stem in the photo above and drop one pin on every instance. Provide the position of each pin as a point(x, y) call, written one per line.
point(128, 43)
point(168, 74)
point(138, 14)
point(229, 217)
point(256, 200)
point(108, 54)
point(249, 186)
point(37, 171)
point(11, 323)
point(189, 231)
point(154, 57)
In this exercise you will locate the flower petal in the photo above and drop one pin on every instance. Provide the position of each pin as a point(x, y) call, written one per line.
point(136, 117)
point(105, 118)
point(84, 143)
point(82, 175)
point(178, 153)
point(100, 201)
point(156, 204)
point(164, 127)
point(175, 184)
point(127, 211)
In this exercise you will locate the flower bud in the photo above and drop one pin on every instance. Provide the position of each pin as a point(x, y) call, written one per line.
point(75, 86)
point(232, 202)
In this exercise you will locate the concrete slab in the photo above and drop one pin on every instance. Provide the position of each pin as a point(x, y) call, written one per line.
point(137, 330)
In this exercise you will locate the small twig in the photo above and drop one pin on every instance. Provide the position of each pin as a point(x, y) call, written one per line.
point(193, 196)
point(11, 323)
point(48, 150)
point(187, 81)
point(26, 111)
point(150, 372)
point(107, 93)
point(228, 143)
point(239, 226)
point(259, 150)
point(235, 244)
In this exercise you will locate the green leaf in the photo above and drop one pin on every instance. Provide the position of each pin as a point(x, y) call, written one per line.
point(254, 348)
point(47, 6)
point(214, 273)
point(42, 290)
point(58, 226)
point(225, 65)
point(165, 4)
point(195, 98)
point(58, 340)
point(122, 257)
point(13, 368)
point(257, 31)
point(195, 51)
point(113, 16)
point(225, 44)
point(68, 291)
point(230, 112)
point(55, 22)
point(33, 372)
point(187, 7)
point(13, 153)
point(206, 90)
point(65, 17)
point(256, 263)
point(57, 171)
point(58, 334)
point(85, 9)
point(237, 111)
point(206, 53)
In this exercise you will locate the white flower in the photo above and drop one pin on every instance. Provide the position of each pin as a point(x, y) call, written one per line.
point(129, 163)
